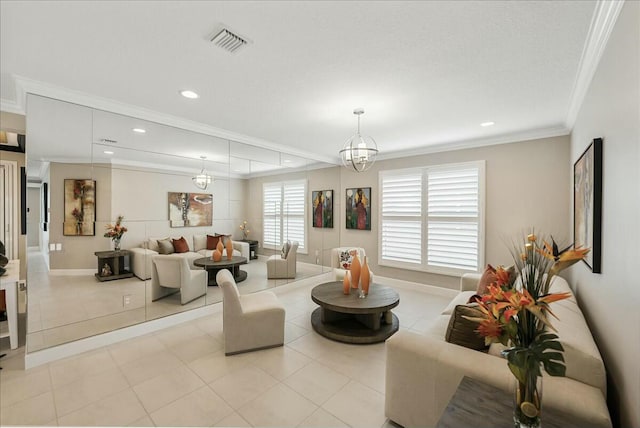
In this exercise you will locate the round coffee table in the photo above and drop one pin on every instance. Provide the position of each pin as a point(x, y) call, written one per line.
point(213, 267)
point(349, 319)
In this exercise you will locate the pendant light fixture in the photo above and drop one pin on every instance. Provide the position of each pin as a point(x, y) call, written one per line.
point(360, 151)
point(203, 179)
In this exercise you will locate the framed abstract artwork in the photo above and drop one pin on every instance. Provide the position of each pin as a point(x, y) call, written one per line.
point(322, 208)
point(358, 208)
point(79, 207)
point(587, 203)
point(190, 209)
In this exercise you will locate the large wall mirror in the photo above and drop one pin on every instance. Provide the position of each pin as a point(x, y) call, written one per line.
point(147, 177)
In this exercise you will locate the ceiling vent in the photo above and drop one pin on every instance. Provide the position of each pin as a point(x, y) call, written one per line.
point(228, 41)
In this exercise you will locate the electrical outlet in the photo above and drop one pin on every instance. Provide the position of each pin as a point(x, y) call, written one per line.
point(58, 247)
point(52, 247)
point(126, 300)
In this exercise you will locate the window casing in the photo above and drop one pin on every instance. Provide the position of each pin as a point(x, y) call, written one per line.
point(432, 218)
point(284, 214)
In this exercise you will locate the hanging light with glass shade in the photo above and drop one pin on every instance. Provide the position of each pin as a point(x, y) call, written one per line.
point(202, 180)
point(360, 151)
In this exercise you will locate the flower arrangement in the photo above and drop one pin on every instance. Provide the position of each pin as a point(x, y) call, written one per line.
point(115, 232)
point(515, 314)
point(244, 227)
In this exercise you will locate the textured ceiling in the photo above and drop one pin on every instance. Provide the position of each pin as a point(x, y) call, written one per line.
point(426, 73)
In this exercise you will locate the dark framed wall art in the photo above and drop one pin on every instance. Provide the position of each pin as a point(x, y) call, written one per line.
point(190, 209)
point(358, 208)
point(587, 203)
point(79, 207)
point(322, 208)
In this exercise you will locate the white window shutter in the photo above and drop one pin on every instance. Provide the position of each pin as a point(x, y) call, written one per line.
point(271, 223)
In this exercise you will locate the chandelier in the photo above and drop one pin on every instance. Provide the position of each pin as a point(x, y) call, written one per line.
point(360, 151)
point(202, 180)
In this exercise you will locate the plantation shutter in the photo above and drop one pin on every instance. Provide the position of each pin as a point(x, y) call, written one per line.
point(294, 215)
point(271, 222)
point(453, 217)
point(401, 217)
point(284, 214)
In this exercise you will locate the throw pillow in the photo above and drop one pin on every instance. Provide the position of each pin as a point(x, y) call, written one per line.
point(152, 244)
point(346, 257)
point(285, 249)
point(461, 331)
point(212, 241)
point(165, 246)
point(180, 245)
point(488, 277)
point(199, 242)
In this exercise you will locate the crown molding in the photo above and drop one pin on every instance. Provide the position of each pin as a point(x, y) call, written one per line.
point(534, 134)
point(10, 106)
point(26, 86)
point(602, 23)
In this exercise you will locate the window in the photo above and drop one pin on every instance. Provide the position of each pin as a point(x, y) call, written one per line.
point(432, 218)
point(284, 214)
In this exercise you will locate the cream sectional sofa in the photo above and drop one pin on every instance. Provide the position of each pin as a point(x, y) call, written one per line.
point(141, 257)
point(423, 371)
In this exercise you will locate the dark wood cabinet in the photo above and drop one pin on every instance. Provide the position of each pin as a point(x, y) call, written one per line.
point(113, 265)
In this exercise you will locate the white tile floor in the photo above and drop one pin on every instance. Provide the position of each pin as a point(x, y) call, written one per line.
point(181, 377)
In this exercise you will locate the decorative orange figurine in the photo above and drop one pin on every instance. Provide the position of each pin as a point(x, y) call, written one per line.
point(365, 277)
point(229, 249)
point(345, 283)
point(355, 271)
point(216, 256)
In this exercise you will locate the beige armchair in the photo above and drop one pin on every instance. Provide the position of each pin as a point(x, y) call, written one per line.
point(339, 257)
point(250, 322)
point(170, 274)
point(279, 267)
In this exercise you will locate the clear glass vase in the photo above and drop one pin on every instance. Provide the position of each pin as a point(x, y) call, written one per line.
point(527, 400)
point(116, 244)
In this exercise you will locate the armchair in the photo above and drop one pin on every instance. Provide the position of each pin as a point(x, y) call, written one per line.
point(337, 261)
point(171, 274)
point(250, 322)
point(281, 268)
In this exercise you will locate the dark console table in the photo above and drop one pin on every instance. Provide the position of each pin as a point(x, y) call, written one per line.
point(232, 265)
point(116, 261)
point(253, 248)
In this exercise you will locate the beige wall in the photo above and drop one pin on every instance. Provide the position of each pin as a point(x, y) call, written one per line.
point(526, 185)
point(12, 122)
point(77, 251)
point(611, 110)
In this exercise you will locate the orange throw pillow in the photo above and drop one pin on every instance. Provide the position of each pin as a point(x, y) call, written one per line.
point(180, 245)
point(212, 241)
point(488, 276)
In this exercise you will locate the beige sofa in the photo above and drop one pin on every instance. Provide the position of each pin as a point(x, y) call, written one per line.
point(141, 257)
point(423, 371)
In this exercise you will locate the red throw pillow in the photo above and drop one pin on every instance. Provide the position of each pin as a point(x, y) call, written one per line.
point(180, 245)
point(488, 276)
point(212, 241)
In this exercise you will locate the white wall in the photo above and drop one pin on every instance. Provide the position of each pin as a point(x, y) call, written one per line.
point(611, 110)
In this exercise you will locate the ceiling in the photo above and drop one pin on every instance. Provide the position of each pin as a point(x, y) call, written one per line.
point(426, 73)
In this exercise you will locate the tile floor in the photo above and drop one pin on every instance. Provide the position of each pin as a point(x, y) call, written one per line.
point(181, 377)
point(70, 307)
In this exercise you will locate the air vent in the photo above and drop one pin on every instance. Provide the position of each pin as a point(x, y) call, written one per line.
point(228, 41)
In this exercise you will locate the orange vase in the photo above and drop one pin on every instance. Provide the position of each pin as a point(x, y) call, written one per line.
point(229, 249)
point(355, 271)
point(220, 247)
point(216, 256)
point(365, 277)
point(346, 283)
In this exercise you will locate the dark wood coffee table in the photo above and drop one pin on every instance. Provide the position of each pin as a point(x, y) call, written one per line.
point(232, 265)
point(349, 319)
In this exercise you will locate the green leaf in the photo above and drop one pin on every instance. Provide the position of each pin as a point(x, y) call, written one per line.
point(554, 369)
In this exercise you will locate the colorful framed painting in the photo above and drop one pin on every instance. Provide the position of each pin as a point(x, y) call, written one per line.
point(79, 207)
point(587, 203)
point(322, 208)
point(190, 209)
point(358, 206)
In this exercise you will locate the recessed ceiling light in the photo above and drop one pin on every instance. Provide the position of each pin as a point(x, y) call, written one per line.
point(108, 152)
point(139, 130)
point(189, 94)
point(485, 124)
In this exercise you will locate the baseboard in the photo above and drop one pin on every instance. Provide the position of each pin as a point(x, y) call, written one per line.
point(71, 272)
point(416, 286)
